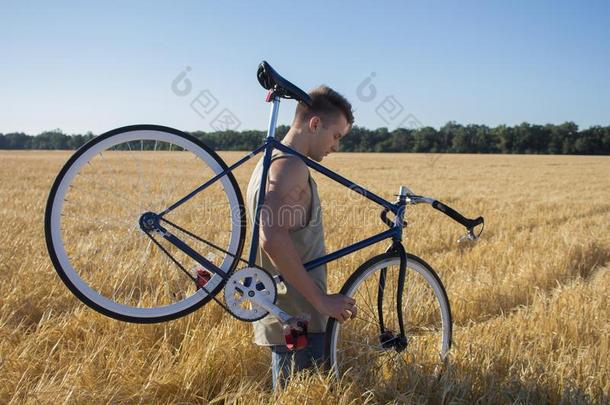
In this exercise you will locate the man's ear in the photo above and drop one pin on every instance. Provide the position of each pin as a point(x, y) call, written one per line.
point(314, 123)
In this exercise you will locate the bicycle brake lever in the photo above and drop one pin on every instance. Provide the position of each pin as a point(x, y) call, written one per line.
point(470, 236)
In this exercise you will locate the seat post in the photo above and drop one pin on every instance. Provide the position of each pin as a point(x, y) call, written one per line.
point(275, 108)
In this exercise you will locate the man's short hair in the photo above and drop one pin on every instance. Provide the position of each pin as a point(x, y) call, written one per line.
point(326, 102)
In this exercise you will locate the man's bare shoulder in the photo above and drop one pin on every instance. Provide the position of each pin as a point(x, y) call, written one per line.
point(288, 172)
point(288, 195)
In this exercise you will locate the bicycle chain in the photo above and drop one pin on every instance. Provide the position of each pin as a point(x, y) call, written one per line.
point(185, 271)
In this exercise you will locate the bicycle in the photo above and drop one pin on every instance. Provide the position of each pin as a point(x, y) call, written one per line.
point(137, 249)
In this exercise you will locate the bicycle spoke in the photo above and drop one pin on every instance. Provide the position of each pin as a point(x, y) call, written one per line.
point(180, 266)
point(118, 245)
point(201, 239)
point(185, 271)
point(123, 198)
point(168, 191)
point(171, 186)
point(115, 174)
point(396, 355)
point(118, 287)
point(368, 346)
point(145, 252)
point(359, 354)
point(367, 305)
point(129, 225)
point(139, 169)
point(368, 322)
point(422, 331)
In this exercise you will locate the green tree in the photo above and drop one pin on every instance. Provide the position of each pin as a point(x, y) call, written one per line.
point(55, 139)
point(464, 139)
point(18, 140)
point(606, 141)
point(569, 133)
point(402, 140)
point(482, 141)
point(538, 139)
point(590, 141)
point(425, 140)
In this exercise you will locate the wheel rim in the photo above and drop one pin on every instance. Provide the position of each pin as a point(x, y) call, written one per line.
point(356, 346)
point(171, 295)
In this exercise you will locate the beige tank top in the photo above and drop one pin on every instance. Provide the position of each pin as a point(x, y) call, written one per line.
point(309, 242)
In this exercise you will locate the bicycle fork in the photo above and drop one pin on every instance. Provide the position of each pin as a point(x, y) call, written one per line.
point(387, 338)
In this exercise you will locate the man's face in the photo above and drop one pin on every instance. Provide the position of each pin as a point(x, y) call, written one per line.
point(328, 132)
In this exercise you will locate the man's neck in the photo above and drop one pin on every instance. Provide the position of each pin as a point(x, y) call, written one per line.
point(298, 140)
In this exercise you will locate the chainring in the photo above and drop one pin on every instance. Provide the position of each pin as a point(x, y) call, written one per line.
point(244, 284)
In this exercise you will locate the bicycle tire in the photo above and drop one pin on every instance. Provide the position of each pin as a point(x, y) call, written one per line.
point(77, 166)
point(420, 277)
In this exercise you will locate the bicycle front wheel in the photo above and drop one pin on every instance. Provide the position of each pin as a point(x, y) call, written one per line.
point(93, 232)
point(369, 347)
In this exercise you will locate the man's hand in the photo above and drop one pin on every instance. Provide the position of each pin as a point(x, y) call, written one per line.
point(337, 306)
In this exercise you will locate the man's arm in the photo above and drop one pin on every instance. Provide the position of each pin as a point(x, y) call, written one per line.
point(287, 190)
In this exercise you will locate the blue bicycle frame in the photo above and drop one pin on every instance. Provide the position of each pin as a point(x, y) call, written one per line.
point(270, 143)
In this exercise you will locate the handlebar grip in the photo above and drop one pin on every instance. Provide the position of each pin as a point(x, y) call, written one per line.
point(456, 216)
point(477, 221)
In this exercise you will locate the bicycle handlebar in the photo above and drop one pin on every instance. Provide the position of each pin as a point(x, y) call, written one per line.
point(469, 224)
point(456, 216)
point(384, 218)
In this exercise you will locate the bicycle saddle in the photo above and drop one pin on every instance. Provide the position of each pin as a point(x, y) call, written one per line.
point(271, 80)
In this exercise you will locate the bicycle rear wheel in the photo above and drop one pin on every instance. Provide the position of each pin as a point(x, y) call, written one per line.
point(92, 223)
point(369, 352)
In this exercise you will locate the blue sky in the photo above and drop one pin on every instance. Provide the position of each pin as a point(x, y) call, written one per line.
point(97, 66)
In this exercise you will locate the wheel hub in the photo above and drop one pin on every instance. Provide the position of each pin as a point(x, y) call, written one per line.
point(149, 221)
point(391, 340)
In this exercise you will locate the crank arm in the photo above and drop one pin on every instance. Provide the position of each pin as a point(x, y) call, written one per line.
point(274, 310)
point(285, 318)
point(294, 327)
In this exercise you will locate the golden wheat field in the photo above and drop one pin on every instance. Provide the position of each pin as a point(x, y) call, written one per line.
point(530, 300)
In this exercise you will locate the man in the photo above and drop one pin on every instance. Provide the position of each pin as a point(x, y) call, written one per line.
point(291, 231)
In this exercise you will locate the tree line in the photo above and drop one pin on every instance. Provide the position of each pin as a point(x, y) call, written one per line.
point(525, 138)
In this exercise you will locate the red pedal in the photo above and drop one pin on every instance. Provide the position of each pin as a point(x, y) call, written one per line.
point(202, 278)
point(296, 336)
point(301, 342)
